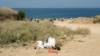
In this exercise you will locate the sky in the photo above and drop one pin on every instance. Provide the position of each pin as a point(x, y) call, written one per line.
point(50, 3)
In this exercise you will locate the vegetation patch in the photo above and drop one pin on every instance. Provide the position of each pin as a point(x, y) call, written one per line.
point(96, 19)
point(20, 32)
point(10, 14)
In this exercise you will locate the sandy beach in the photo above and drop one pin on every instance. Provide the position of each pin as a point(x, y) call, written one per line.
point(80, 46)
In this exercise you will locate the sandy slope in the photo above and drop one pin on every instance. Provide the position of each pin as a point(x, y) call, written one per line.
point(88, 47)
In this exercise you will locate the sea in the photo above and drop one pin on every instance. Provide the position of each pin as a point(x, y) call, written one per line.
point(60, 12)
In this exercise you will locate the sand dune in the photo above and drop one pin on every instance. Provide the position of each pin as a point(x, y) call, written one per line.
point(87, 46)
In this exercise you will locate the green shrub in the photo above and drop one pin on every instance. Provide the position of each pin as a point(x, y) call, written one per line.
point(21, 15)
point(7, 37)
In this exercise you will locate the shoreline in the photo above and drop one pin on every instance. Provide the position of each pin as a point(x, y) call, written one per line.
point(62, 17)
point(83, 20)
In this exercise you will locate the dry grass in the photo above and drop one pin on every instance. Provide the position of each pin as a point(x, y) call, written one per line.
point(82, 31)
point(6, 11)
point(10, 14)
point(21, 32)
point(96, 19)
point(83, 20)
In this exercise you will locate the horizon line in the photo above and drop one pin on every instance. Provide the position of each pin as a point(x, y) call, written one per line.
point(29, 7)
point(49, 7)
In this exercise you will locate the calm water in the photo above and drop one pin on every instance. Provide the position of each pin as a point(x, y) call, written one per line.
point(60, 12)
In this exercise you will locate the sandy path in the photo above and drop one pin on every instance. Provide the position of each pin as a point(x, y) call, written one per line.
point(93, 27)
point(89, 47)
